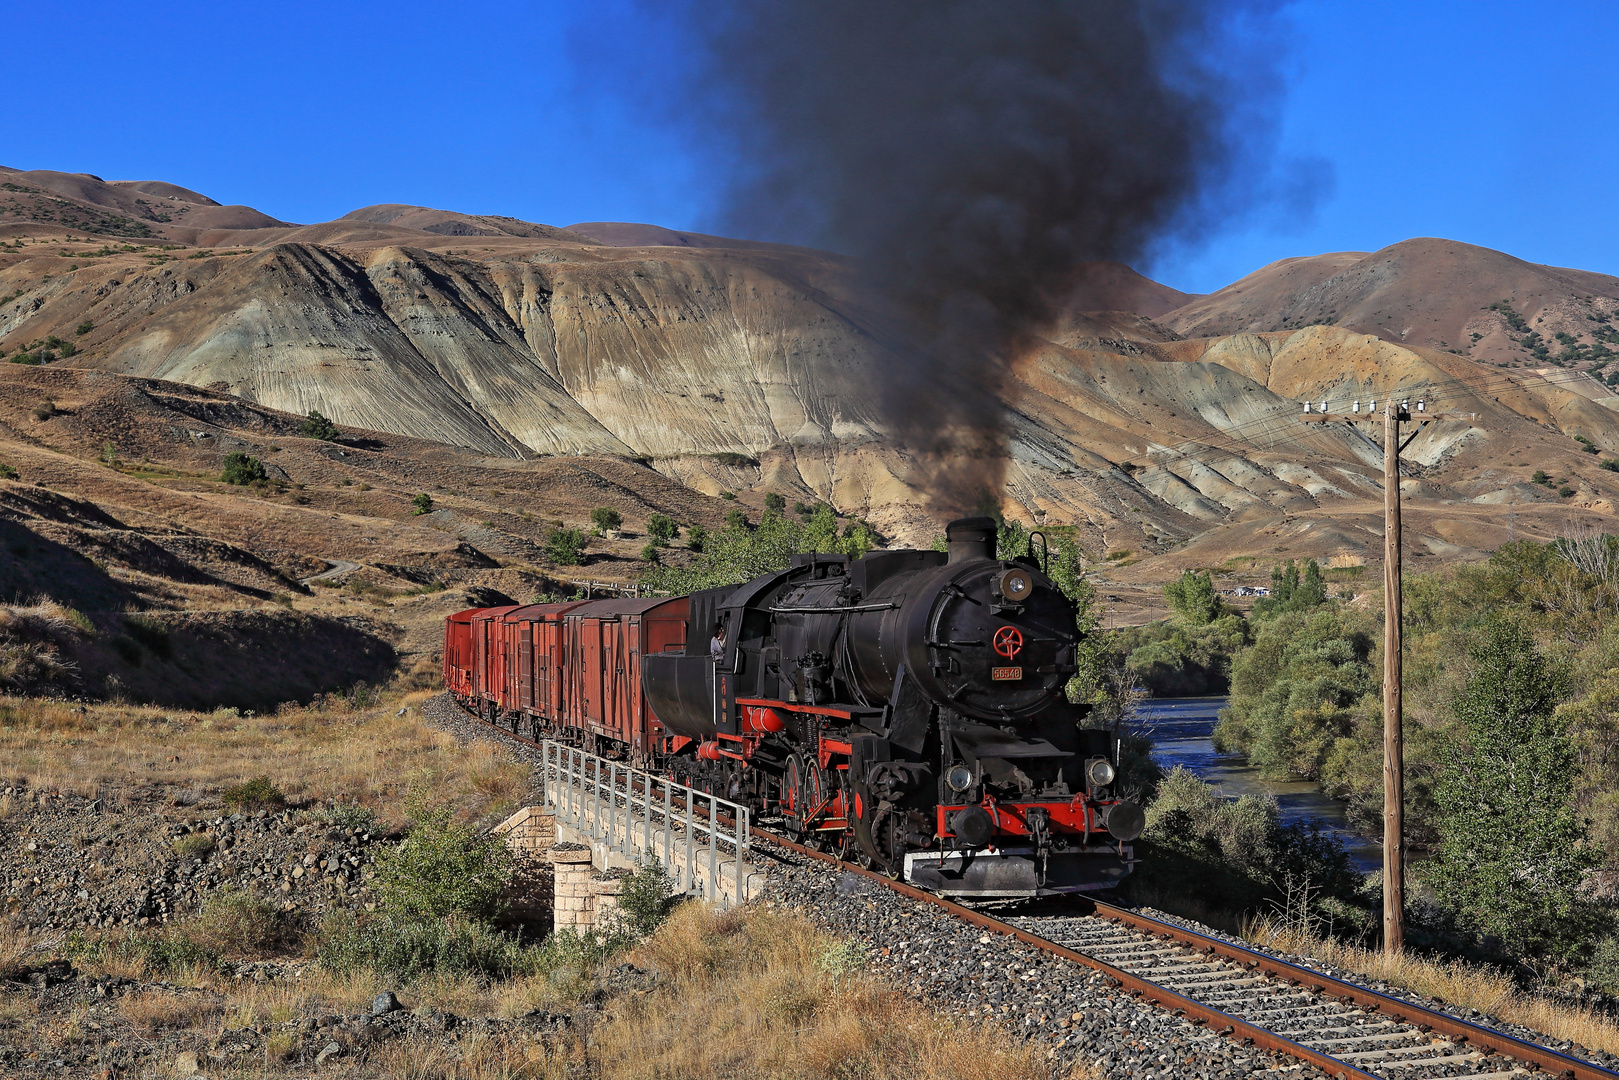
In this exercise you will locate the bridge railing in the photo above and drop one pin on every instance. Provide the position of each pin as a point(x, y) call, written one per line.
point(701, 839)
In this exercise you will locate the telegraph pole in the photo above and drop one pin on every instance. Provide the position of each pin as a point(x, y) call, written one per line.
point(1393, 648)
point(1393, 673)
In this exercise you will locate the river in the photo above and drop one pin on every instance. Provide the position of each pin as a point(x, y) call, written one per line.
point(1180, 729)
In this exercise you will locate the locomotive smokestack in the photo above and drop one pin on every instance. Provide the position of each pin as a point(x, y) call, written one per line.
point(971, 538)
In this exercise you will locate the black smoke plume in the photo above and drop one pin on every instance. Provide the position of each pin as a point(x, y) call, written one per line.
point(975, 155)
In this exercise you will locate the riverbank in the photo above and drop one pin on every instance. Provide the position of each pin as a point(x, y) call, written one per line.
point(1181, 731)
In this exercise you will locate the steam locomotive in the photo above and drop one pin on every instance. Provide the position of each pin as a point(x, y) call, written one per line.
point(905, 708)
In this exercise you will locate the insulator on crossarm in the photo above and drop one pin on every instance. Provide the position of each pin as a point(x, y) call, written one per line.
point(1306, 406)
point(1323, 406)
point(1422, 406)
point(1371, 406)
point(1405, 406)
point(1357, 406)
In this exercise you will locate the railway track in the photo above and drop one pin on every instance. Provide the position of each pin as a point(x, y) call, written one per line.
point(1347, 1031)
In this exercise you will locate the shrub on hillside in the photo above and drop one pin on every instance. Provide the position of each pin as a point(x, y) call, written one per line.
point(7, 472)
point(565, 547)
point(316, 426)
point(421, 504)
point(259, 793)
point(606, 519)
point(662, 528)
point(243, 469)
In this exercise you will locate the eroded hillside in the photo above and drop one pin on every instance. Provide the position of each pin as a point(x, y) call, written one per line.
point(1153, 421)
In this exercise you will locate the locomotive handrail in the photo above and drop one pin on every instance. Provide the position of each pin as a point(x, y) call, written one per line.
point(832, 610)
point(635, 813)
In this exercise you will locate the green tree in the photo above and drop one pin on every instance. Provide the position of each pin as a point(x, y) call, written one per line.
point(1291, 592)
point(606, 519)
point(422, 504)
point(662, 528)
point(84, 328)
point(240, 468)
point(736, 519)
point(1193, 598)
point(565, 547)
point(1512, 852)
point(1299, 690)
point(651, 554)
point(696, 538)
point(774, 503)
point(316, 426)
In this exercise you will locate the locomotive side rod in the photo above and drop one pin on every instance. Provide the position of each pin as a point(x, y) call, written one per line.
point(1216, 1020)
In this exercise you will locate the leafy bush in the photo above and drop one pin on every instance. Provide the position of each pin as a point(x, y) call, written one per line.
point(421, 504)
point(650, 553)
point(193, 845)
point(740, 553)
point(644, 900)
point(606, 519)
point(443, 869)
point(84, 328)
point(1299, 690)
point(1611, 464)
point(243, 469)
point(350, 816)
point(775, 502)
point(1565, 491)
point(565, 547)
point(736, 519)
point(7, 472)
point(258, 793)
point(735, 460)
point(408, 948)
point(1174, 660)
point(316, 426)
point(662, 528)
point(696, 538)
point(44, 410)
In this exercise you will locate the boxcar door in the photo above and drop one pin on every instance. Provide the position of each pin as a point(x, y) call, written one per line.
point(525, 665)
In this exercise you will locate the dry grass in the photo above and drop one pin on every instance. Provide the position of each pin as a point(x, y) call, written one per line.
point(757, 992)
point(18, 950)
point(159, 1010)
point(329, 751)
point(1456, 983)
point(480, 1058)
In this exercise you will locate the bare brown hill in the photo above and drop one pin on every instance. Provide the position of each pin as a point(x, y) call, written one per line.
point(746, 368)
point(1439, 294)
point(86, 203)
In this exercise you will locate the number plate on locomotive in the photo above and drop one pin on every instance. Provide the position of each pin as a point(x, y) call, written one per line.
point(1005, 674)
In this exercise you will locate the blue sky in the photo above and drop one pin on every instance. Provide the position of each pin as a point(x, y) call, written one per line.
point(1488, 122)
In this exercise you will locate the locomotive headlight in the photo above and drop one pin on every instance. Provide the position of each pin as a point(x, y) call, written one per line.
point(959, 778)
point(1100, 772)
point(1015, 585)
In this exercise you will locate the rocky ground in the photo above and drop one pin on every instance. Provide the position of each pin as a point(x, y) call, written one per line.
point(67, 862)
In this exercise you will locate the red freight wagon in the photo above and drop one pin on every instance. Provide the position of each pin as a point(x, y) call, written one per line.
point(458, 653)
point(535, 660)
point(604, 642)
point(489, 658)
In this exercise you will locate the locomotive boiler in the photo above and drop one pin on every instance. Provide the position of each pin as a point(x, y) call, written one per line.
point(905, 708)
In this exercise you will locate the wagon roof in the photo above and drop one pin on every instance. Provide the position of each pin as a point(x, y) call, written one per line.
point(541, 611)
point(613, 609)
